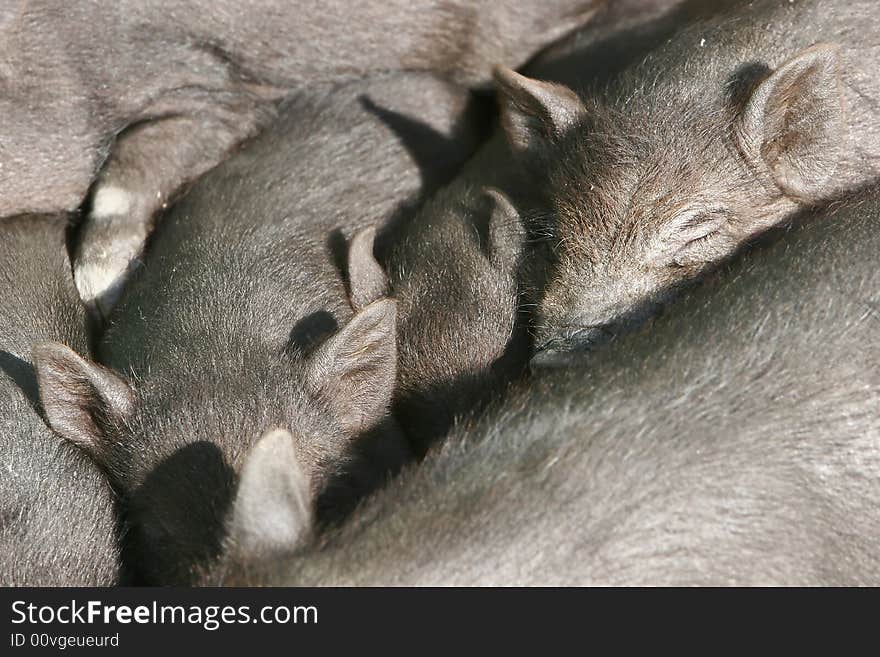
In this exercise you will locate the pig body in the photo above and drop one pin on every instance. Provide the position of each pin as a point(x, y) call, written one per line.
point(159, 92)
point(727, 129)
point(453, 270)
point(618, 35)
point(736, 442)
point(57, 516)
point(239, 328)
point(455, 267)
point(460, 338)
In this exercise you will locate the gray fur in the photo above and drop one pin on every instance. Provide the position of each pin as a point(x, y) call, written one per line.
point(453, 271)
point(735, 442)
point(454, 267)
point(239, 323)
point(680, 161)
point(57, 517)
point(159, 92)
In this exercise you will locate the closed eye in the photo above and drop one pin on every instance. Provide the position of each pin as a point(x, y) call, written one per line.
point(685, 239)
point(695, 243)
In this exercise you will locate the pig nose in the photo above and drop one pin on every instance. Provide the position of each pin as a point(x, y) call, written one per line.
point(558, 348)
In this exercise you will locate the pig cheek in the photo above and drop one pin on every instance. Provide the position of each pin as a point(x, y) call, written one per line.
point(563, 295)
point(668, 281)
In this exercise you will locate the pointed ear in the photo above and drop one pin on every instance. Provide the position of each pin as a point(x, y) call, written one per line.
point(793, 124)
point(367, 279)
point(534, 112)
point(356, 368)
point(81, 400)
point(273, 508)
point(506, 231)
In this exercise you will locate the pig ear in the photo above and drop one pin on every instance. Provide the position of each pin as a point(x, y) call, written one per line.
point(792, 125)
point(535, 112)
point(272, 510)
point(367, 279)
point(82, 401)
point(506, 231)
point(356, 368)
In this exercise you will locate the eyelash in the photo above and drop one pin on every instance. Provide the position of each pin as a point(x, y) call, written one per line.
point(704, 238)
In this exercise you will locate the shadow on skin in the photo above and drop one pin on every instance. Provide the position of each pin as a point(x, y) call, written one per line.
point(176, 516)
point(310, 331)
point(375, 458)
point(603, 57)
point(438, 157)
point(337, 247)
point(743, 82)
point(23, 376)
point(636, 319)
point(435, 410)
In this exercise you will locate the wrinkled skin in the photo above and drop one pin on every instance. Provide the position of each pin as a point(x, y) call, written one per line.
point(239, 325)
point(735, 442)
point(57, 516)
point(724, 131)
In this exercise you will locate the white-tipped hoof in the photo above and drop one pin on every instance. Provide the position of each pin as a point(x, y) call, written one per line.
point(110, 243)
point(100, 284)
point(111, 202)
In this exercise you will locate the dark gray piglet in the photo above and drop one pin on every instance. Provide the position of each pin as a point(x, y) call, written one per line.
point(453, 270)
point(154, 93)
point(57, 518)
point(236, 347)
point(729, 128)
point(455, 267)
point(736, 442)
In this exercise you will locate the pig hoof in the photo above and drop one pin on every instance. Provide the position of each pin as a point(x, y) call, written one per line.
point(110, 242)
point(100, 284)
point(106, 256)
point(110, 202)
